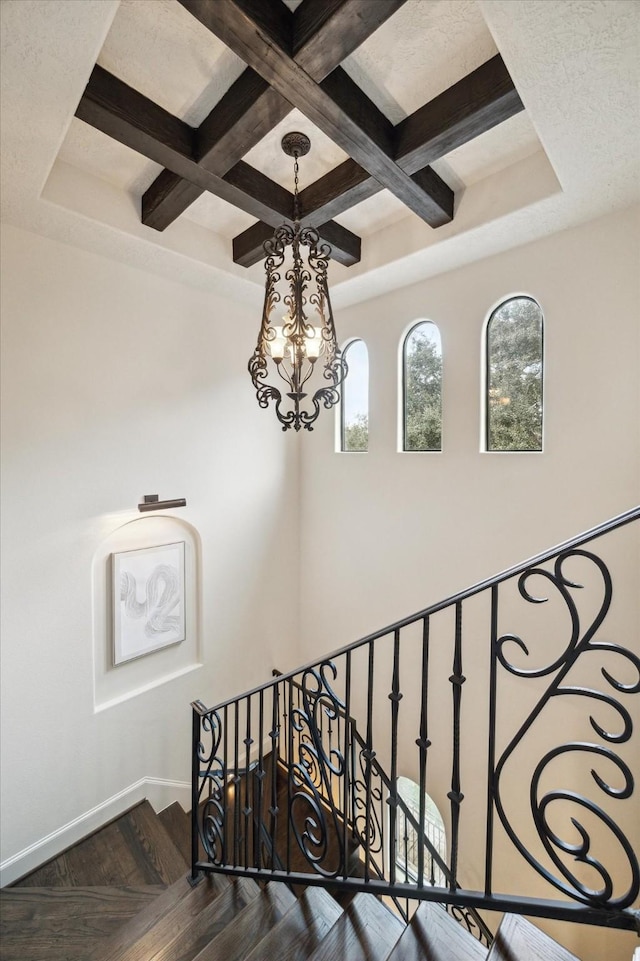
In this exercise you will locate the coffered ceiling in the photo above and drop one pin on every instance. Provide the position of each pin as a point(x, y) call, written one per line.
point(468, 126)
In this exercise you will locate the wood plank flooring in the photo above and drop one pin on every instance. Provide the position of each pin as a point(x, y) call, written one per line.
point(301, 930)
point(518, 938)
point(366, 931)
point(433, 935)
point(177, 824)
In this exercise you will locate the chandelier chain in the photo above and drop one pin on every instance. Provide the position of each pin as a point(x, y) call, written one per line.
point(296, 206)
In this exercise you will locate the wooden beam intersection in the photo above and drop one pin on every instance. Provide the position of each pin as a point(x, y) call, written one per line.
point(473, 105)
point(319, 35)
point(478, 102)
point(337, 106)
point(129, 117)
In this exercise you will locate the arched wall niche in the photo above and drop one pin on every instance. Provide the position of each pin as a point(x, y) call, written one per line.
point(114, 684)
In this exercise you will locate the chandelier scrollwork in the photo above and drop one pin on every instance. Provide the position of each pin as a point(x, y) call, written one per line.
point(297, 333)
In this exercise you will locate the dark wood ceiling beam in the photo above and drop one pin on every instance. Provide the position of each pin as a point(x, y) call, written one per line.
point(473, 105)
point(338, 190)
point(219, 142)
point(126, 115)
point(248, 247)
point(233, 22)
point(320, 34)
point(132, 119)
point(478, 102)
point(326, 32)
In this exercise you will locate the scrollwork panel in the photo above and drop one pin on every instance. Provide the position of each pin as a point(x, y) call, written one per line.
point(575, 785)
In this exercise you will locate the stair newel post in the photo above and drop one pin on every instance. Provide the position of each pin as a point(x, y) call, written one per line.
point(455, 795)
point(330, 741)
point(424, 743)
point(257, 817)
point(346, 777)
point(248, 784)
point(225, 790)
point(236, 783)
point(368, 755)
point(395, 697)
point(274, 734)
point(290, 763)
point(491, 755)
point(195, 787)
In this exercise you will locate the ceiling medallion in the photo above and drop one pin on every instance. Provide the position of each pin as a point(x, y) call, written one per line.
point(297, 341)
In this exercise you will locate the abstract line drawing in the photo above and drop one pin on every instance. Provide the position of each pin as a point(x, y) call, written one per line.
point(148, 600)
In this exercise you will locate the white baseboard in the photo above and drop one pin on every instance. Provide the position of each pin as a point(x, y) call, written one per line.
point(160, 794)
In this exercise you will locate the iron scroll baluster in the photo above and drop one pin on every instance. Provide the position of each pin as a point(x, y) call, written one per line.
point(580, 643)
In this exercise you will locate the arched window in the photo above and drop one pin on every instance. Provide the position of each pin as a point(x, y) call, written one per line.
point(514, 371)
point(422, 388)
point(354, 404)
point(407, 857)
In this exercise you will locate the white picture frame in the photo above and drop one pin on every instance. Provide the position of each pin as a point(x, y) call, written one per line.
point(148, 592)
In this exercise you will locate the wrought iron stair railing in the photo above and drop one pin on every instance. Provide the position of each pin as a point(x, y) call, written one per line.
point(532, 675)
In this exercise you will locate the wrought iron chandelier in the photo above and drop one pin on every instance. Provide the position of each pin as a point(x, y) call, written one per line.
point(299, 340)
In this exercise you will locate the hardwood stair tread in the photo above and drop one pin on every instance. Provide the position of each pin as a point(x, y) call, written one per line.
point(133, 849)
point(61, 924)
point(433, 935)
point(518, 938)
point(177, 824)
point(144, 832)
point(185, 940)
point(250, 926)
point(297, 935)
point(155, 920)
point(366, 931)
point(41, 904)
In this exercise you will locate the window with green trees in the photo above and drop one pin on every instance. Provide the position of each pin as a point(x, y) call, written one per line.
point(422, 388)
point(354, 403)
point(514, 373)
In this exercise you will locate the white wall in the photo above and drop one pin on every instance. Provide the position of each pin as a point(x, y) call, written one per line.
point(116, 384)
point(385, 534)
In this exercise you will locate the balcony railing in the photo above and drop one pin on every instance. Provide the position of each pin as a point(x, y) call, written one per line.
point(509, 703)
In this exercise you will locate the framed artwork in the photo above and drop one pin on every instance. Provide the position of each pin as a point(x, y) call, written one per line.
point(148, 600)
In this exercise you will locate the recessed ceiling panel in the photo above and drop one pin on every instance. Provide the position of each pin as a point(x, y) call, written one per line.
point(498, 148)
point(159, 49)
point(374, 214)
point(268, 157)
point(218, 216)
point(426, 46)
point(100, 155)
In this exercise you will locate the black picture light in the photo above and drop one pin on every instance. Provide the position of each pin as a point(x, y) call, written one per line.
point(150, 502)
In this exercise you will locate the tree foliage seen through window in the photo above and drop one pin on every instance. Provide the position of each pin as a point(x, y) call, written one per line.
point(514, 376)
point(355, 399)
point(422, 370)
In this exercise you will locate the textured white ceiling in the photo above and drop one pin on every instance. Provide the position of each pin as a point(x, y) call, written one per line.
point(574, 153)
point(427, 47)
point(157, 47)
